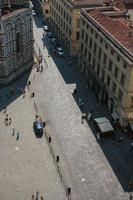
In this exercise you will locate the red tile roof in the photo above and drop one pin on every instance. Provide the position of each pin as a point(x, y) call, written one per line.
point(120, 31)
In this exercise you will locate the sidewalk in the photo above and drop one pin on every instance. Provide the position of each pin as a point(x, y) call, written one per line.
point(26, 166)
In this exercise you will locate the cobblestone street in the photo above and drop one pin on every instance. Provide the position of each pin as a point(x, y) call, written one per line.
point(91, 170)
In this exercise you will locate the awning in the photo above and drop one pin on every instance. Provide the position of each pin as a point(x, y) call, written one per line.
point(105, 127)
point(115, 116)
point(104, 124)
point(101, 119)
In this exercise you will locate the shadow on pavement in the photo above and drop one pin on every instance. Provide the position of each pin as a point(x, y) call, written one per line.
point(118, 155)
point(13, 91)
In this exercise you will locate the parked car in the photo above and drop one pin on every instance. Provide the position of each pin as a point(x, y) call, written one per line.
point(53, 40)
point(33, 12)
point(45, 28)
point(38, 128)
point(49, 34)
point(60, 51)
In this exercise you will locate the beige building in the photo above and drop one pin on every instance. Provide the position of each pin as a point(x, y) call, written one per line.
point(106, 56)
point(65, 21)
point(43, 8)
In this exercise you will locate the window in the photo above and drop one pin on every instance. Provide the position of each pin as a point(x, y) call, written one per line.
point(86, 38)
point(118, 58)
point(95, 48)
point(90, 43)
point(82, 34)
point(95, 35)
point(112, 52)
point(132, 101)
point(18, 42)
point(105, 59)
point(120, 95)
point(89, 57)
point(94, 62)
point(81, 47)
point(91, 30)
point(101, 40)
point(125, 65)
point(85, 51)
point(100, 53)
point(98, 70)
point(123, 77)
point(78, 23)
point(110, 65)
point(116, 72)
point(108, 80)
point(103, 75)
point(114, 87)
point(106, 46)
point(77, 35)
point(47, 11)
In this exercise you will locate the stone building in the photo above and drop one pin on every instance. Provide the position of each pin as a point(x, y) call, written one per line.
point(106, 56)
point(65, 20)
point(16, 39)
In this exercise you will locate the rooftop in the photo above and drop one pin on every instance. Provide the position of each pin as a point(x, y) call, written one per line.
point(118, 29)
point(9, 13)
point(81, 3)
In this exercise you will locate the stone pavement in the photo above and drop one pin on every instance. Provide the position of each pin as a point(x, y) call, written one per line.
point(26, 165)
point(83, 163)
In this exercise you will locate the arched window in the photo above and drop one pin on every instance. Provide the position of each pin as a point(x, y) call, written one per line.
point(18, 42)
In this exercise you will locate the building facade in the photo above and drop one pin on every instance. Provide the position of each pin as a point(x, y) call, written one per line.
point(65, 21)
point(106, 58)
point(16, 40)
point(43, 8)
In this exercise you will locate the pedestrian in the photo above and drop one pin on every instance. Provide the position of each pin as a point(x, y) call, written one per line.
point(17, 138)
point(10, 120)
point(75, 91)
point(131, 197)
point(24, 94)
point(4, 109)
point(41, 68)
point(6, 120)
point(89, 116)
point(13, 131)
point(29, 82)
point(32, 94)
point(120, 140)
point(98, 135)
point(42, 198)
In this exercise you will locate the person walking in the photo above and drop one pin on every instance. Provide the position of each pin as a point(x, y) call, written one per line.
point(10, 120)
point(13, 131)
point(24, 94)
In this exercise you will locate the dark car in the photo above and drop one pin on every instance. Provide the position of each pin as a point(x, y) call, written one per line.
point(38, 128)
point(49, 34)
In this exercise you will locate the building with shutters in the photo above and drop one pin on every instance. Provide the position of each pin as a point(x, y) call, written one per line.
point(65, 21)
point(106, 58)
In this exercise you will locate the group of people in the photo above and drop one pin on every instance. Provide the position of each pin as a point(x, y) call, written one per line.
point(7, 119)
